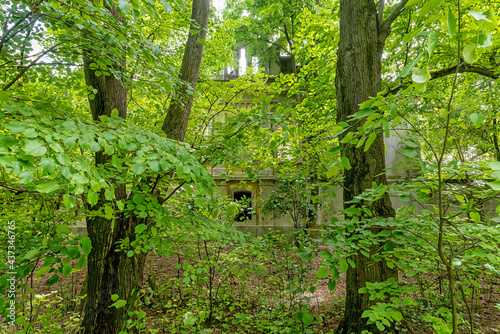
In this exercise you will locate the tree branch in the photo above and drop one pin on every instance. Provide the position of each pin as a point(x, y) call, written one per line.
point(385, 27)
point(462, 68)
point(13, 81)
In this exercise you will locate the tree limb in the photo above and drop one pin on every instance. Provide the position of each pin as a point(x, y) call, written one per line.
point(385, 27)
point(463, 68)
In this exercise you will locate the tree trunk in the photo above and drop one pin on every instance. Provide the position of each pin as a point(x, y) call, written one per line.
point(358, 78)
point(109, 271)
point(176, 120)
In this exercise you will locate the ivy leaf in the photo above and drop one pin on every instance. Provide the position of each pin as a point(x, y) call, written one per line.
point(34, 148)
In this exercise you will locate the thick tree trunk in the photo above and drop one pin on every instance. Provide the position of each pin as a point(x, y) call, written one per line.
point(359, 78)
point(176, 120)
point(109, 271)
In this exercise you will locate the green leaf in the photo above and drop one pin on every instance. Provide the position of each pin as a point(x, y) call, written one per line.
point(343, 265)
point(478, 15)
point(409, 152)
point(94, 146)
point(495, 185)
point(412, 3)
point(34, 148)
point(25, 177)
point(421, 75)
point(370, 140)
point(63, 229)
point(42, 271)
point(114, 297)
point(166, 6)
point(324, 254)
point(432, 40)
point(477, 119)
point(307, 319)
point(331, 284)
point(452, 23)
point(138, 168)
point(332, 171)
point(344, 162)
point(15, 127)
point(140, 228)
point(47, 187)
point(7, 141)
point(47, 165)
point(411, 65)
point(79, 179)
point(66, 269)
point(4, 96)
point(130, 253)
point(31, 254)
point(409, 143)
point(428, 7)
point(470, 53)
point(69, 142)
point(92, 198)
point(119, 303)
point(86, 245)
point(124, 6)
point(108, 212)
point(495, 165)
point(363, 113)
point(476, 217)
point(322, 272)
point(82, 261)
point(53, 280)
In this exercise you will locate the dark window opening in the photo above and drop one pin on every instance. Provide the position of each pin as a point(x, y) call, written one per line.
point(245, 199)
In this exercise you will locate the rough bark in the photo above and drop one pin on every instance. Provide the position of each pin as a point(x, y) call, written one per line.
point(109, 271)
point(176, 120)
point(358, 78)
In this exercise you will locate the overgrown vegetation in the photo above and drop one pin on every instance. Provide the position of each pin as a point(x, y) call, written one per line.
point(97, 130)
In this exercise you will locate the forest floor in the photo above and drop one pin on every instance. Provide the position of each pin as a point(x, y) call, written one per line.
point(265, 311)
